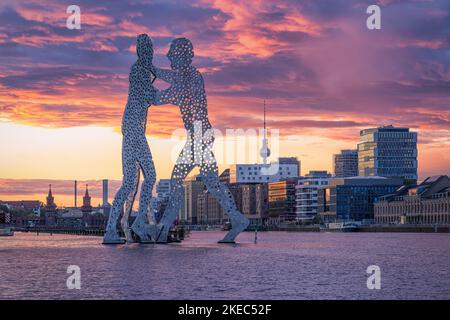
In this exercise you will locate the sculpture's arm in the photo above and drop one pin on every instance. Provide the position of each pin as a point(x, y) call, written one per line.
point(164, 97)
point(165, 74)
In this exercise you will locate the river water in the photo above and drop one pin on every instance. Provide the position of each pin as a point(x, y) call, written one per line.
point(281, 265)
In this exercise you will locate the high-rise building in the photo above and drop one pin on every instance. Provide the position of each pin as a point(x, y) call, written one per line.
point(306, 193)
point(345, 164)
point(236, 192)
point(282, 200)
point(105, 193)
point(353, 198)
point(208, 209)
point(388, 152)
point(193, 187)
point(163, 188)
point(262, 204)
point(255, 205)
point(248, 199)
point(291, 161)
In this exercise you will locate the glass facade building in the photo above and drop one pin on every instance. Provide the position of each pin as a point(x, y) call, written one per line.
point(388, 152)
point(306, 193)
point(353, 198)
point(282, 199)
point(346, 163)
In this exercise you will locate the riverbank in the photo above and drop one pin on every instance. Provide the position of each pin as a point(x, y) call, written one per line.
point(364, 228)
point(289, 228)
point(405, 228)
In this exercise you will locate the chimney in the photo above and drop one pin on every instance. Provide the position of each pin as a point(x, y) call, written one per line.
point(75, 186)
point(105, 192)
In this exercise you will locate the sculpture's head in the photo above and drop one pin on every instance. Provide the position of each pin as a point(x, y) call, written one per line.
point(144, 48)
point(180, 53)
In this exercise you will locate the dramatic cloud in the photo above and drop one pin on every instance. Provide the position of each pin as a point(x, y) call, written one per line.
point(322, 72)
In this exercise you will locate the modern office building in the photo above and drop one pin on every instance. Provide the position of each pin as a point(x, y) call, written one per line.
point(262, 205)
point(306, 193)
point(345, 199)
point(259, 173)
point(291, 161)
point(427, 203)
point(193, 187)
point(255, 205)
point(345, 164)
point(163, 188)
point(388, 152)
point(236, 191)
point(248, 199)
point(282, 200)
point(208, 209)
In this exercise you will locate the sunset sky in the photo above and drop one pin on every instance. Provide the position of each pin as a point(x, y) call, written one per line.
point(324, 75)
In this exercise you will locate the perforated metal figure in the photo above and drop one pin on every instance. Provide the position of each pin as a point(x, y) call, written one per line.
point(136, 153)
point(187, 91)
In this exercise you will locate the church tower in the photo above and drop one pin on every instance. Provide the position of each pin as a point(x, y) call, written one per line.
point(50, 206)
point(50, 209)
point(86, 208)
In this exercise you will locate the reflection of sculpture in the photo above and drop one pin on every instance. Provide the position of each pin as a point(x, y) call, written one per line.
point(136, 154)
point(188, 93)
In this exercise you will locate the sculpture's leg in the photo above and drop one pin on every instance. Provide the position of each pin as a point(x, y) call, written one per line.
point(129, 206)
point(183, 166)
point(129, 164)
point(141, 226)
point(222, 194)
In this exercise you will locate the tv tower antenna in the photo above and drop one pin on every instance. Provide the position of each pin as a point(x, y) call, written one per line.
point(265, 151)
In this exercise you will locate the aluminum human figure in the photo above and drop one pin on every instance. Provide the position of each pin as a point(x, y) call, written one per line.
point(187, 91)
point(136, 155)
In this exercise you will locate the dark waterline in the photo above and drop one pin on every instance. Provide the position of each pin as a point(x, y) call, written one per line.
point(281, 265)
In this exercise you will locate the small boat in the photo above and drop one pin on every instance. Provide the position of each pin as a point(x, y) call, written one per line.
point(350, 228)
point(6, 232)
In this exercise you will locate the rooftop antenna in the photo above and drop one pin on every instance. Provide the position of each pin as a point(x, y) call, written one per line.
point(265, 151)
point(264, 118)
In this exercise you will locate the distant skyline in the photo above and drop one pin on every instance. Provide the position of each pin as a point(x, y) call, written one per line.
point(325, 76)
